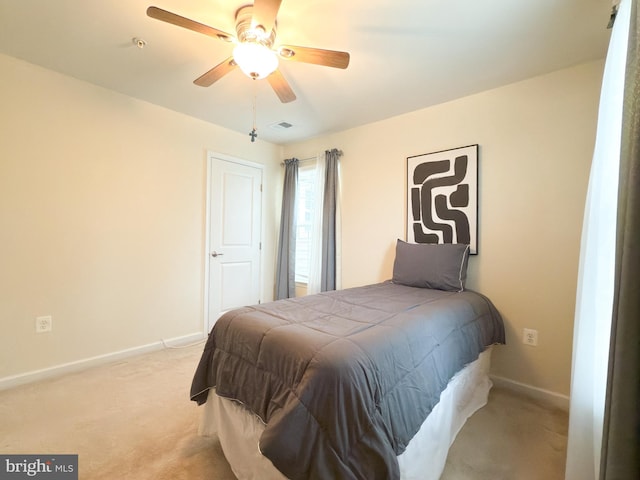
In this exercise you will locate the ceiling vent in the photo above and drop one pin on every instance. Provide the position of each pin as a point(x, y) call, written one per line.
point(281, 126)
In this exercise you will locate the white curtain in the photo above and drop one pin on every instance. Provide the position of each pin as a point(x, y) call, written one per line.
point(315, 260)
point(594, 301)
point(339, 231)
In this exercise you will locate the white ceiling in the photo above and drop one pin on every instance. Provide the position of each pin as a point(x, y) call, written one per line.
point(405, 54)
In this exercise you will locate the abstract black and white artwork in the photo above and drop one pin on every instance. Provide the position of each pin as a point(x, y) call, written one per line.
point(442, 197)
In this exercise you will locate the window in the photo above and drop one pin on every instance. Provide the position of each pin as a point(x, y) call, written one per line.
point(305, 215)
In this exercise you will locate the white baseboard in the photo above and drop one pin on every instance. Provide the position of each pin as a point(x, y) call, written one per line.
point(56, 370)
point(548, 397)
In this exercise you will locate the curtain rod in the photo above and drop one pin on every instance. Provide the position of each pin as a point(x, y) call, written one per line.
point(303, 160)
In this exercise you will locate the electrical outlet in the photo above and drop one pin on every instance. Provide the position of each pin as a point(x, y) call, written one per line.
point(530, 337)
point(44, 324)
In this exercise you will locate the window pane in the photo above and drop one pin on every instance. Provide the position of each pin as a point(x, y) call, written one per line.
point(304, 216)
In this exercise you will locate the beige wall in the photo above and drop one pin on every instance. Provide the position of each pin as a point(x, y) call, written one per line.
point(536, 140)
point(102, 206)
point(102, 203)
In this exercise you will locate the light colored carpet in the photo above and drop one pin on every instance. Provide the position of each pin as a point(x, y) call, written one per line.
point(133, 420)
point(510, 438)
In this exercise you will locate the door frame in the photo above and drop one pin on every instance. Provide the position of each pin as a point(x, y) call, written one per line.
point(211, 157)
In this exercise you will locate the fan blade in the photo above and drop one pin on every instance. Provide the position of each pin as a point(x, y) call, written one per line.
point(163, 15)
point(281, 87)
point(328, 58)
point(265, 13)
point(216, 73)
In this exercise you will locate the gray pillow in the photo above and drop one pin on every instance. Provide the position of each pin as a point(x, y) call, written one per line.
point(442, 266)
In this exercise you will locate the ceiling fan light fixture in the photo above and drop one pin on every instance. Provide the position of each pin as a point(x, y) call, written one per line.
point(255, 54)
point(256, 60)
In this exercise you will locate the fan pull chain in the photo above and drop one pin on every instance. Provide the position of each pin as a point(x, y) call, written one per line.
point(254, 132)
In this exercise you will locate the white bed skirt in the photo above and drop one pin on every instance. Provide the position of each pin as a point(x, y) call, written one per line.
point(424, 458)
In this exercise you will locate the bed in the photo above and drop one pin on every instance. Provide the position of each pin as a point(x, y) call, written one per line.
point(354, 383)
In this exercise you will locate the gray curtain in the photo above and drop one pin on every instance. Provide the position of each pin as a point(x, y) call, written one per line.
point(286, 261)
point(328, 275)
point(620, 458)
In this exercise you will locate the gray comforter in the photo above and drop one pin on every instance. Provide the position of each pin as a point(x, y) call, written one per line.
point(344, 379)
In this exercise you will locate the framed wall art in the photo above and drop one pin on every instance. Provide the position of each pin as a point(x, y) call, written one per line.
point(442, 197)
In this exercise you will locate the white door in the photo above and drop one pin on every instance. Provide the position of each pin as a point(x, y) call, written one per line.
point(235, 206)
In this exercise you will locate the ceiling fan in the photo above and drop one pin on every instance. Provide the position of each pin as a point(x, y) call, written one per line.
point(254, 52)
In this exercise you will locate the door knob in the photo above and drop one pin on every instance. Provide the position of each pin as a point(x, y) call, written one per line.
point(216, 254)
